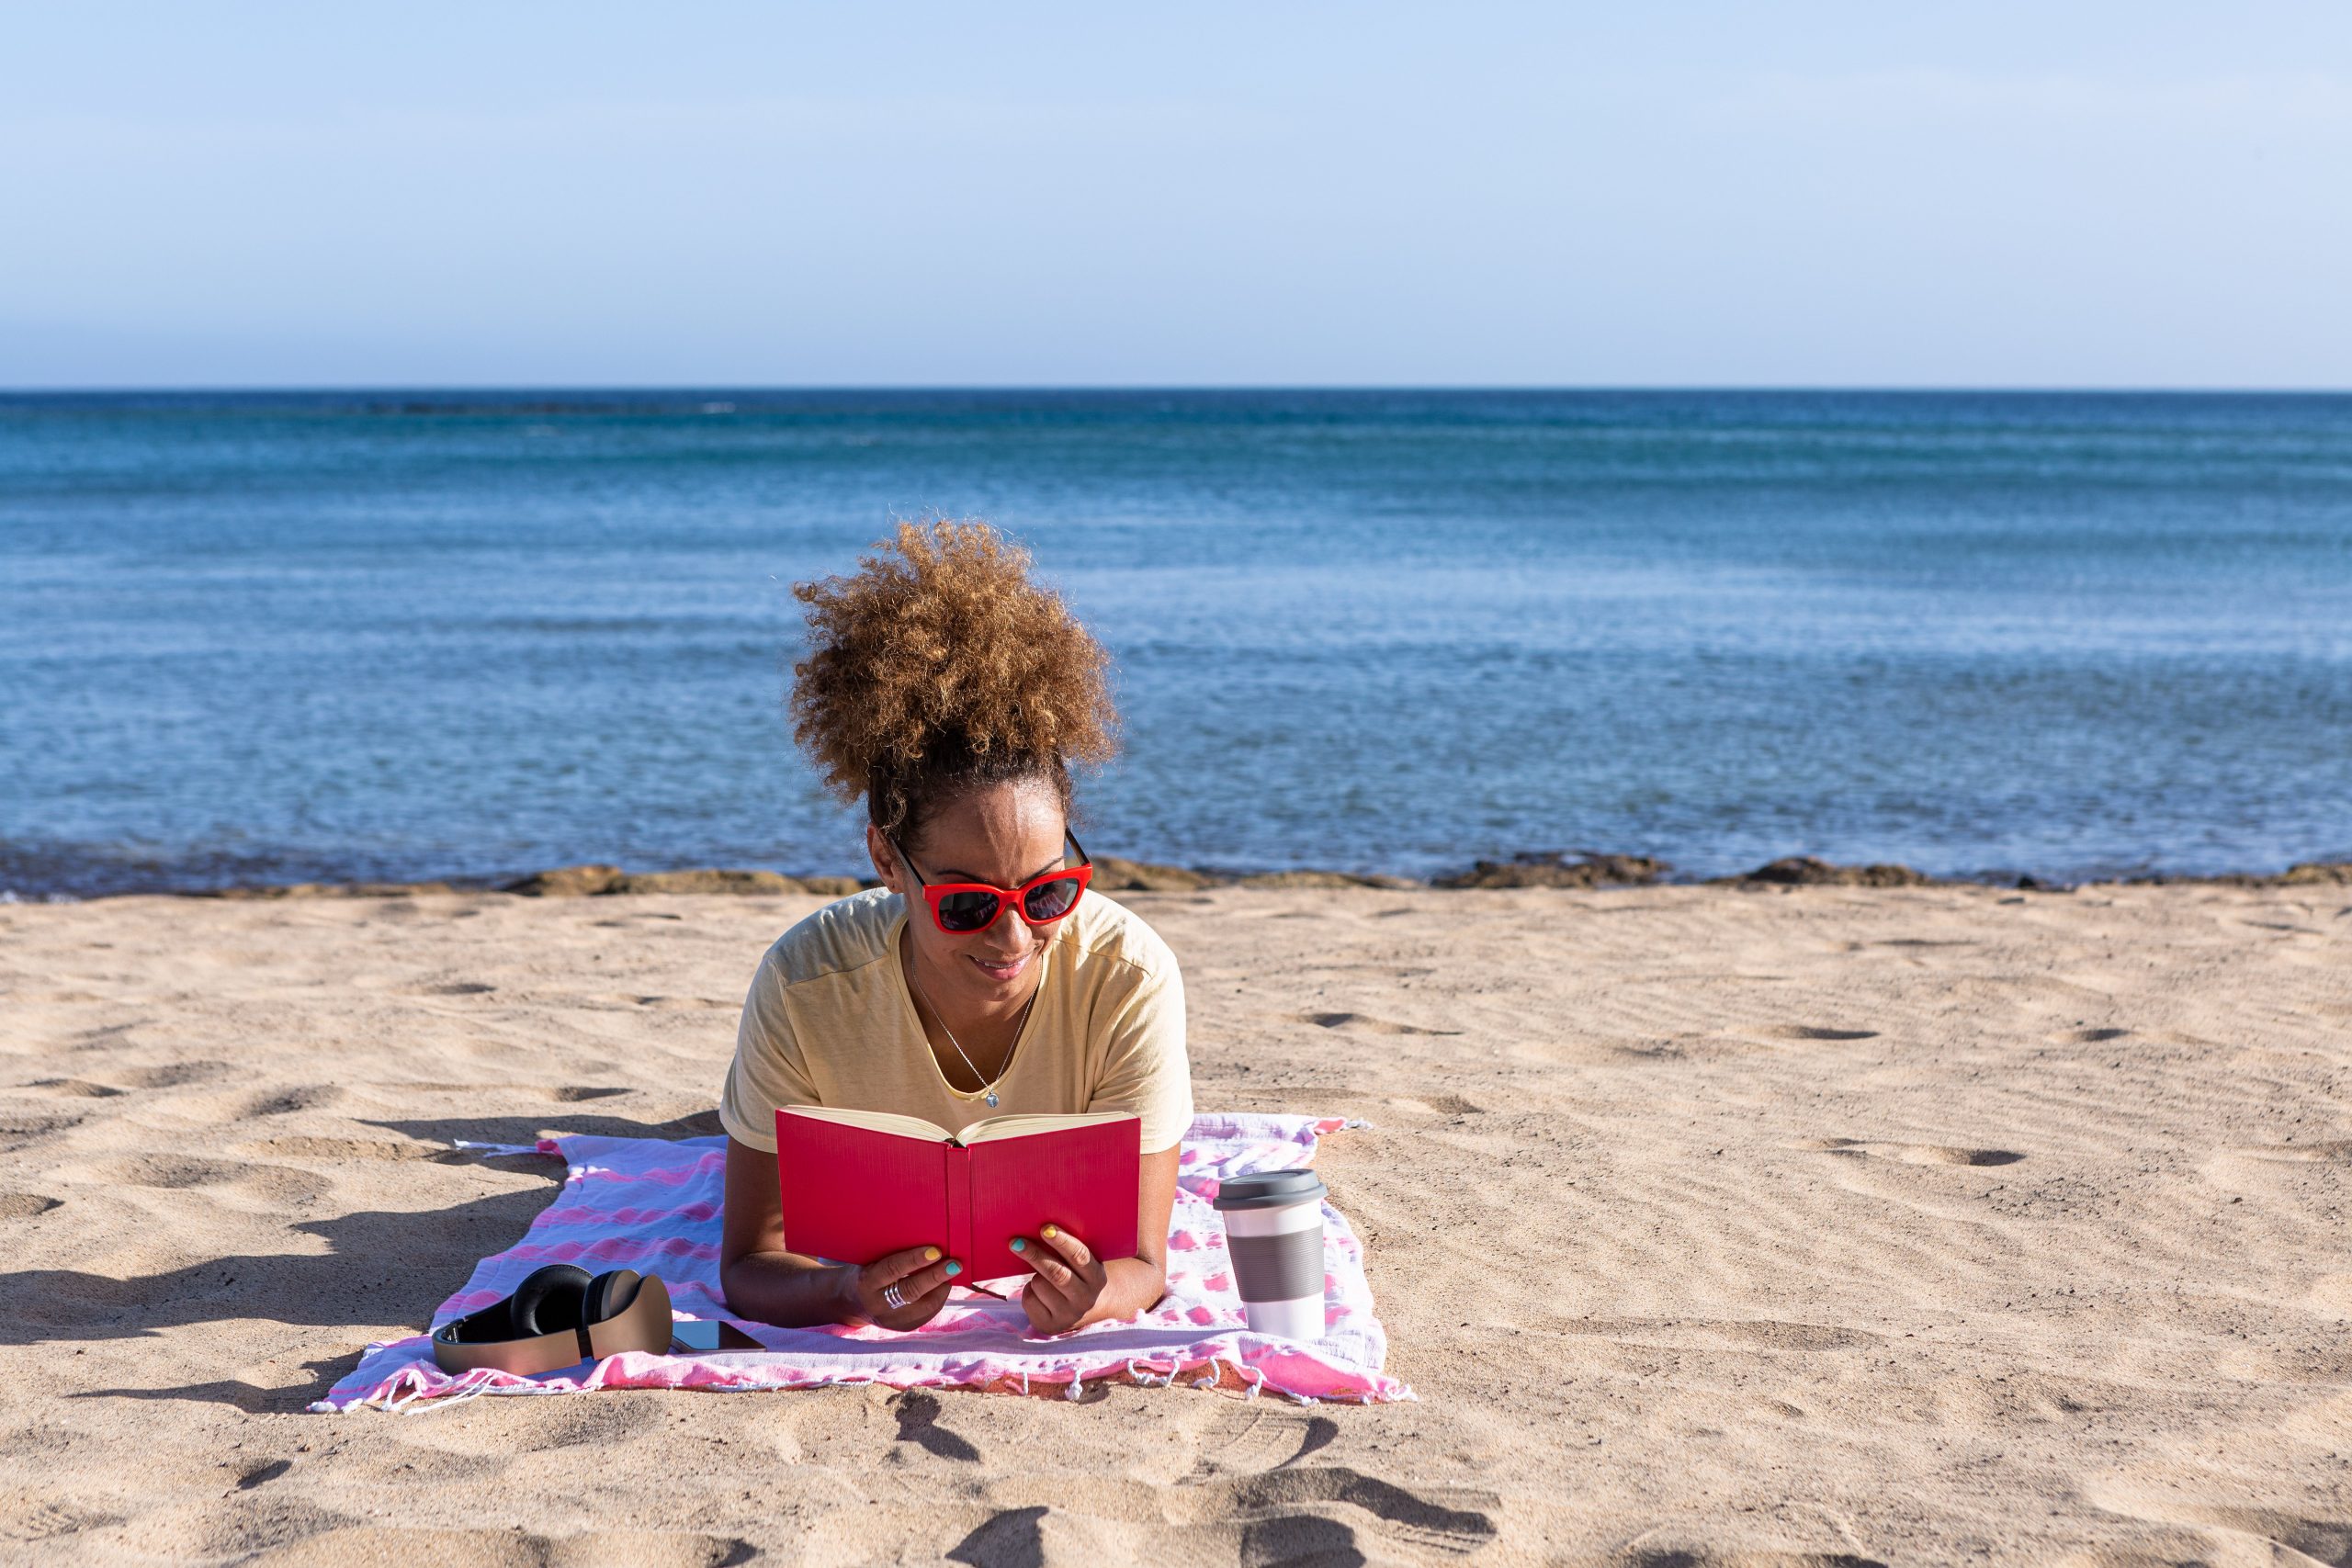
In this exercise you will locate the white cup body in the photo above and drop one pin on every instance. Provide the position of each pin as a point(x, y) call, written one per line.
point(1297, 1313)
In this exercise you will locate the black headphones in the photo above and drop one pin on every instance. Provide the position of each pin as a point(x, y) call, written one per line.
point(558, 1317)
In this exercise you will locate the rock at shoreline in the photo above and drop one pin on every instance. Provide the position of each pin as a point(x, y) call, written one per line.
point(568, 882)
point(333, 890)
point(2308, 874)
point(1556, 870)
point(1804, 871)
point(1112, 875)
point(1292, 879)
point(574, 882)
point(610, 881)
point(710, 882)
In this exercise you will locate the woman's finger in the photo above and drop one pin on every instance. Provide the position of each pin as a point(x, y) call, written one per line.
point(1048, 1266)
point(920, 1305)
point(891, 1267)
point(930, 1302)
point(1052, 1294)
point(1048, 1310)
point(918, 1311)
point(932, 1277)
point(1069, 1246)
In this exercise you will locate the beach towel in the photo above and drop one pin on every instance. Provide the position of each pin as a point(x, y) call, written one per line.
point(654, 1205)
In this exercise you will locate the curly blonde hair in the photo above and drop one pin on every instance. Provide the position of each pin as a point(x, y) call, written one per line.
point(940, 666)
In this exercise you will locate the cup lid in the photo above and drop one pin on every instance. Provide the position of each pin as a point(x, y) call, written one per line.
point(1273, 1190)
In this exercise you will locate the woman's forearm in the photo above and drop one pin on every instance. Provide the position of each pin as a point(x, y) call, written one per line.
point(792, 1292)
point(789, 1291)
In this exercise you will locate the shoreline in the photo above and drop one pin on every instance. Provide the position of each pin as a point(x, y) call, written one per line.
point(1580, 871)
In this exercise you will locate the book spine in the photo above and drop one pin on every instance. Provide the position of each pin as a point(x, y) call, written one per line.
point(958, 1185)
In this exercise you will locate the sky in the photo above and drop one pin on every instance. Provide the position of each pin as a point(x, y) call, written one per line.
point(2094, 194)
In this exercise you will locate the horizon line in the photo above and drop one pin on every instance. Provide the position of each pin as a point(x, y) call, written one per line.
point(326, 389)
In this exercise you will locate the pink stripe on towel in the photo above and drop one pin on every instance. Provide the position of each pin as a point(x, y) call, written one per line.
point(1197, 1333)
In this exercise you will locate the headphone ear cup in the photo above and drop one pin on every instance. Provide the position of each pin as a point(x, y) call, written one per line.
point(608, 1295)
point(549, 1301)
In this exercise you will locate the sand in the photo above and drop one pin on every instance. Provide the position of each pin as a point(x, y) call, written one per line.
point(1833, 1225)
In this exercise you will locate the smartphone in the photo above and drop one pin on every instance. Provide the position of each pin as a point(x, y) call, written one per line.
point(705, 1335)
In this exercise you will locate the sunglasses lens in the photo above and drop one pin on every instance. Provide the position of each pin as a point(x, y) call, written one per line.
point(967, 911)
point(1051, 900)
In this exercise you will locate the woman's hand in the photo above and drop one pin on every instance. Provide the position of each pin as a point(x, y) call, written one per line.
point(1068, 1284)
point(922, 1278)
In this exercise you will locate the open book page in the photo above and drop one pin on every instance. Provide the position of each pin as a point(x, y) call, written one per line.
point(994, 1129)
point(890, 1121)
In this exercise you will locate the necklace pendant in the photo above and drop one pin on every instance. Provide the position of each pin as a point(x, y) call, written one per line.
point(991, 1098)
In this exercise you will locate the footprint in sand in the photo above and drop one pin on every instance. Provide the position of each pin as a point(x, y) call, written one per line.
point(306, 1097)
point(1702, 1556)
point(1252, 1439)
point(587, 1431)
point(2338, 1151)
point(1451, 1521)
point(261, 1475)
point(1438, 1105)
point(340, 1149)
point(1912, 1153)
point(568, 1094)
point(2087, 1036)
point(2314, 1541)
point(1324, 1514)
point(275, 1183)
point(511, 1548)
point(22, 1129)
point(1735, 1334)
point(52, 1519)
point(1364, 1022)
point(74, 1088)
point(1816, 1032)
point(177, 1074)
point(25, 1205)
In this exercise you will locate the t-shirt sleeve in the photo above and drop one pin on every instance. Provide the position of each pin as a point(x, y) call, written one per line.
point(1145, 1069)
point(768, 1070)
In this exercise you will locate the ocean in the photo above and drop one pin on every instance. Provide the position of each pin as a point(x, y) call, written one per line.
point(266, 638)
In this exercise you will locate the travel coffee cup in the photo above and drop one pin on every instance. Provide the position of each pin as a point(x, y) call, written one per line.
point(1273, 1232)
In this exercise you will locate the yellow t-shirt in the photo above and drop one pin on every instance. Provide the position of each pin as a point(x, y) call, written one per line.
point(828, 1021)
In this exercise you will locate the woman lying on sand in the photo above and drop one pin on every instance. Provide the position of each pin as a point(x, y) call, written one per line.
point(951, 694)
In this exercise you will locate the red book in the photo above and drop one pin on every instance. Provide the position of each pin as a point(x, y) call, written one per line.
point(858, 1185)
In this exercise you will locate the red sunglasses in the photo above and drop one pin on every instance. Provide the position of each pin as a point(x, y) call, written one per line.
point(966, 908)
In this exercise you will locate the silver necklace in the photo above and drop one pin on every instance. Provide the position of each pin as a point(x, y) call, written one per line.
point(988, 1085)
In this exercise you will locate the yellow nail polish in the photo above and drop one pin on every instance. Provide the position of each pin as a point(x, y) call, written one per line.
point(930, 1254)
point(1050, 1232)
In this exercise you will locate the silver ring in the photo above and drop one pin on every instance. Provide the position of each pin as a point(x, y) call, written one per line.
point(891, 1298)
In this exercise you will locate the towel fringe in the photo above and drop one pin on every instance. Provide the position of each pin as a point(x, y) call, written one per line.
point(1142, 1375)
point(458, 1395)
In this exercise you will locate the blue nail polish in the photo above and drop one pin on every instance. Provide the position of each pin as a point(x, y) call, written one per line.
point(952, 1268)
point(1019, 1245)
